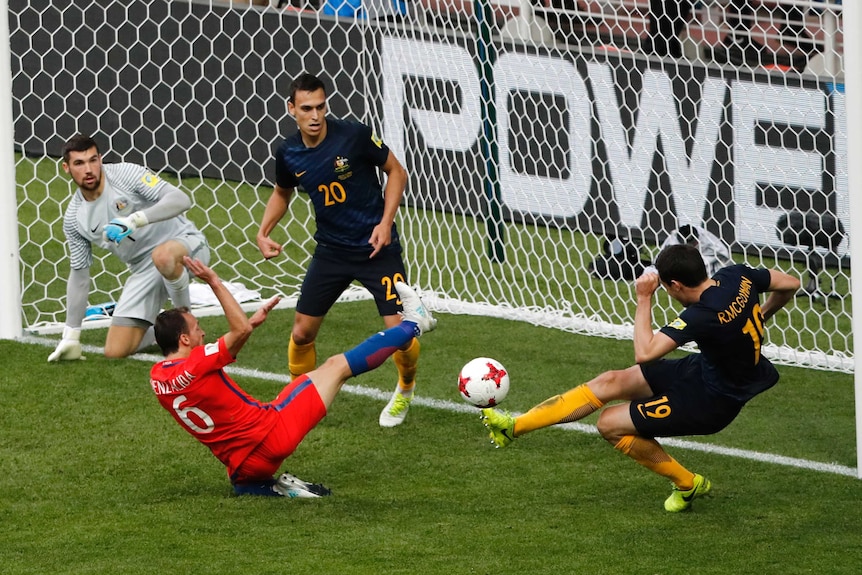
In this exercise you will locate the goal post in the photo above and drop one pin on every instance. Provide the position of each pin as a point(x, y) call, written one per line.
point(853, 63)
point(11, 324)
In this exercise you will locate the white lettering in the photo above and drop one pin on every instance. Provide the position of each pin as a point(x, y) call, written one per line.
point(631, 150)
point(535, 194)
point(760, 164)
point(690, 177)
point(404, 58)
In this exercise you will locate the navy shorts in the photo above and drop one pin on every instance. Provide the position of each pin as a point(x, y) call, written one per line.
point(681, 403)
point(332, 271)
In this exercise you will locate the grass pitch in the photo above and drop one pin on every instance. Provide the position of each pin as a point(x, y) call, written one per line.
point(99, 479)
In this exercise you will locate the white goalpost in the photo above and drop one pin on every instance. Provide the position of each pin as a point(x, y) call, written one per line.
point(538, 140)
point(853, 62)
point(10, 292)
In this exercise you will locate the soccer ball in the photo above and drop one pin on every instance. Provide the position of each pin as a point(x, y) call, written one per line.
point(483, 382)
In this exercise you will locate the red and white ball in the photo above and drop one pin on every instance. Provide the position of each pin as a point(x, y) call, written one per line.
point(483, 382)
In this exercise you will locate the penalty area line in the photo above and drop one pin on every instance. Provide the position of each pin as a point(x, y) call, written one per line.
point(462, 407)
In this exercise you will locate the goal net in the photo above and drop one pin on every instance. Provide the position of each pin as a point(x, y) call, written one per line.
point(553, 146)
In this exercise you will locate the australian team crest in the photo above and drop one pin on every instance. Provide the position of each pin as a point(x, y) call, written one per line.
point(121, 204)
point(341, 164)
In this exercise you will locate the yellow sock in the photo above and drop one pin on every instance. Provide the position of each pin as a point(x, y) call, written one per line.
point(406, 361)
point(570, 406)
point(651, 455)
point(301, 358)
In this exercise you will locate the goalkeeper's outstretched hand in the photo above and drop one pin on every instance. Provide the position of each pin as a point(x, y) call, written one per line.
point(69, 347)
point(120, 228)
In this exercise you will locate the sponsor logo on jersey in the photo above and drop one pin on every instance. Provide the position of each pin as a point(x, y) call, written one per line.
point(299, 174)
point(150, 179)
point(677, 324)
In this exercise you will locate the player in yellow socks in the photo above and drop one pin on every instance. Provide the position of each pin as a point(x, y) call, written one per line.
point(697, 395)
point(339, 163)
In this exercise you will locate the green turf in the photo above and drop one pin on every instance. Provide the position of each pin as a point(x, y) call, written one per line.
point(98, 478)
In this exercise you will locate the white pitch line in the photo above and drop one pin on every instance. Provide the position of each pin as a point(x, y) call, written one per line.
point(461, 407)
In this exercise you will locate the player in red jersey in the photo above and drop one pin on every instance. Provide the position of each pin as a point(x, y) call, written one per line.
point(253, 438)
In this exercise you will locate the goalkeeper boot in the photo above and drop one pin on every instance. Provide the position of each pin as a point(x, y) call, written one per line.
point(413, 308)
point(680, 500)
point(501, 426)
point(294, 487)
point(396, 410)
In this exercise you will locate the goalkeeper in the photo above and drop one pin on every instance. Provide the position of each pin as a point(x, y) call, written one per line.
point(129, 211)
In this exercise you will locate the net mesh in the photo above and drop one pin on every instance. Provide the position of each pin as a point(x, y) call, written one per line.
point(539, 137)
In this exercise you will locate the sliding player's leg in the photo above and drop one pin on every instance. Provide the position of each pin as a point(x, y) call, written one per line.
point(305, 401)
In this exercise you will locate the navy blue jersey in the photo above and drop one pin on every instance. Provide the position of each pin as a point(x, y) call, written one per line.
point(341, 178)
point(727, 326)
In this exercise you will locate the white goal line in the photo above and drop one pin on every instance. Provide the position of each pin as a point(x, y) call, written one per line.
point(461, 407)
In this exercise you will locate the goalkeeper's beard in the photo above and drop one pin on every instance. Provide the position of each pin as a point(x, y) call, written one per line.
point(97, 181)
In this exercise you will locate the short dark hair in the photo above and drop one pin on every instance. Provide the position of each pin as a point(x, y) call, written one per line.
point(304, 83)
point(169, 326)
point(683, 263)
point(78, 143)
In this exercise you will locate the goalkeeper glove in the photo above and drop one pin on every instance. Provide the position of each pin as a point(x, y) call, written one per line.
point(119, 228)
point(69, 347)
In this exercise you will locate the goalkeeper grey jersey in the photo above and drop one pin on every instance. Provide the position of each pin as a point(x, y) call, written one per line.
point(128, 189)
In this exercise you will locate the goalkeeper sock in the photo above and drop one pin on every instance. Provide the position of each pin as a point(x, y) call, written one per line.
point(374, 350)
point(570, 406)
point(178, 290)
point(406, 361)
point(301, 358)
point(651, 455)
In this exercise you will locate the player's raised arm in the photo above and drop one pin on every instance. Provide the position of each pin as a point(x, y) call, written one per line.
point(276, 207)
point(648, 345)
point(239, 325)
point(782, 288)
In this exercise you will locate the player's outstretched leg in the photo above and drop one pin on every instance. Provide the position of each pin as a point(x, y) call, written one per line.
point(414, 310)
point(501, 426)
point(376, 349)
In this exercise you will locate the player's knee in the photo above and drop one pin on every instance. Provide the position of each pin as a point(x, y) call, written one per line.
point(167, 261)
point(113, 351)
point(608, 428)
point(301, 337)
point(330, 376)
point(122, 343)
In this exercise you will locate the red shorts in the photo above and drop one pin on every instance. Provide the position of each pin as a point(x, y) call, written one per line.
point(300, 409)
